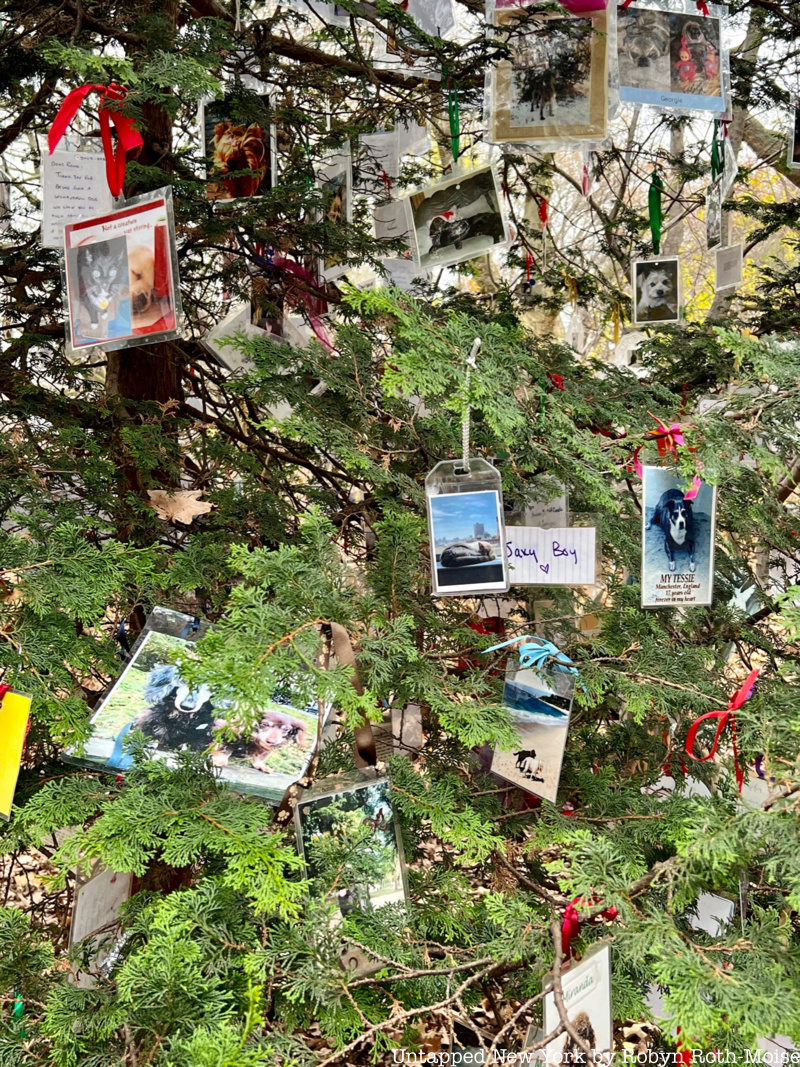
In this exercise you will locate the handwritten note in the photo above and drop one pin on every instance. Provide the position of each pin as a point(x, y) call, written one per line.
point(74, 187)
point(550, 513)
point(561, 556)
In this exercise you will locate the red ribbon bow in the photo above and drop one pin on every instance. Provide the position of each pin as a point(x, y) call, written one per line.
point(557, 381)
point(127, 137)
point(387, 181)
point(723, 718)
point(667, 438)
point(571, 925)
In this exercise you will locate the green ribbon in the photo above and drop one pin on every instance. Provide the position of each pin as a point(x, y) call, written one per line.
point(17, 1013)
point(654, 207)
point(453, 115)
point(717, 153)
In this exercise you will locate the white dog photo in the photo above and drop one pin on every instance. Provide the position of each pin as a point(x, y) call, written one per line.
point(656, 291)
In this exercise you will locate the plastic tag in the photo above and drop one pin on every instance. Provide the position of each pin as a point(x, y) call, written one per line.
point(466, 529)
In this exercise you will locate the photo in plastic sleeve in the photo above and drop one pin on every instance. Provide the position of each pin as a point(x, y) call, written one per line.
point(151, 696)
point(714, 215)
point(457, 219)
point(793, 154)
point(540, 703)
point(672, 56)
point(586, 991)
point(677, 540)
point(15, 709)
point(336, 186)
point(553, 87)
point(729, 269)
point(657, 295)
point(239, 143)
point(467, 552)
point(353, 829)
point(121, 275)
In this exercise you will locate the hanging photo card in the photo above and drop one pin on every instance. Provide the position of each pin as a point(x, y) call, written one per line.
point(434, 17)
point(336, 185)
point(672, 56)
point(677, 540)
point(714, 215)
point(465, 529)
point(355, 826)
point(390, 53)
point(553, 85)
point(74, 187)
point(540, 703)
point(151, 696)
point(586, 991)
point(380, 154)
point(554, 556)
point(121, 275)
point(729, 268)
point(793, 154)
point(238, 138)
point(15, 709)
point(458, 219)
point(657, 295)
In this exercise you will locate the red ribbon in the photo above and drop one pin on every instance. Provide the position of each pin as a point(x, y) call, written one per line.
point(528, 266)
point(387, 181)
point(543, 212)
point(127, 137)
point(723, 718)
point(571, 925)
point(557, 381)
point(668, 438)
point(3, 690)
point(702, 7)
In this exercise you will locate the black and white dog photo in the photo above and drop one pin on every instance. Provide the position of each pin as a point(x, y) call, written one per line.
point(656, 291)
point(673, 515)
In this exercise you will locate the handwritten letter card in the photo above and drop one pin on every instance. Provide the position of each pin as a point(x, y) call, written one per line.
point(74, 187)
point(562, 556)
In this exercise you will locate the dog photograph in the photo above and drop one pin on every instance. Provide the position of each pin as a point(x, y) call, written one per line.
point(586, 991)
point(120, 275)
point(670, 58)
point(349, 842)
point(714, 215)
point(678, 522)
point(466, 547)
point(657, 291)
point(237, 136)
point(458, 219)
point(554, 84)
point(151, 696)
point(335, 184)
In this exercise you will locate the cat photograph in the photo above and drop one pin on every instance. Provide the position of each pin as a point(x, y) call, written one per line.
point(100, 290)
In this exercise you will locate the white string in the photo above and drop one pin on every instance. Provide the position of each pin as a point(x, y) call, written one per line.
point(471, 365)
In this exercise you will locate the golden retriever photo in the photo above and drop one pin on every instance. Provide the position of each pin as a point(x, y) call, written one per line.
point(238, 150)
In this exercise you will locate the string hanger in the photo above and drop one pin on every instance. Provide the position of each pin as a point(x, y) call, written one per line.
point(471, 366)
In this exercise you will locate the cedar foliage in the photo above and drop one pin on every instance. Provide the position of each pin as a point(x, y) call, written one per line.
point(320, 516)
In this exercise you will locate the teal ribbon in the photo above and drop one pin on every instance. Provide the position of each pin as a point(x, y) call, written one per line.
point(534, 652)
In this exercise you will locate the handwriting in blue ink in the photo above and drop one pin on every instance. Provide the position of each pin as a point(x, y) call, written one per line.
point(559, 551)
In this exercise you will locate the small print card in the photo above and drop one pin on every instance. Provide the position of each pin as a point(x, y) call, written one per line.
point(677, 540)
point(729, 268)
point(391, 222)
point(657, 294)
point(15, 710)
point(336, 187)
point(560, 556)
point(74, 187)
point(549, 513)
point(587, 999)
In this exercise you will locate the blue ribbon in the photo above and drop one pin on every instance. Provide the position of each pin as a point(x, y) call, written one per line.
point(534, 652)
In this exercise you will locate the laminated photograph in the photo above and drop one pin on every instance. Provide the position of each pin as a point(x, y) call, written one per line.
point(554, 84)
point(657, 295)
point(352, 830)
point(15, 709)
point(672, 56)
point(586, 990)
point(677, 539)
point(389, 52)
point(151, 696)
point(458, 219)
point(239, 145)
point(336, 185)
point(539, 703)
point(793, 155)
point(729, 268)
point(121, 276)
point(74, 187)
point(714, 215)
point(465, 529)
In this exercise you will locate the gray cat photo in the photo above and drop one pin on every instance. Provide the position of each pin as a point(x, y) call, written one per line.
point(99, 292)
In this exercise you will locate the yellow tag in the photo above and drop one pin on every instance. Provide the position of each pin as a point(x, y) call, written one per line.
point(14, 711)
point(103, 305)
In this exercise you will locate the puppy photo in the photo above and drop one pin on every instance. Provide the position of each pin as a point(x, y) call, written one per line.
point(657, 296)
point(587, 997)
point(237, 137)
point(678, 519)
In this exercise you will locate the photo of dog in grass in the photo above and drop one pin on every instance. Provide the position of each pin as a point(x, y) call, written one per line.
point(238, 147)
point(656, 291)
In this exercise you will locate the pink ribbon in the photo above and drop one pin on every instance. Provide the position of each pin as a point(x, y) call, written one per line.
point(313, 305)
point(583, 7)
point(668, 439)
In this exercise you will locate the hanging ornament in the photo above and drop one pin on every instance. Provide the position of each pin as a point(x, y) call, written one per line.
point(655, 211)
point(542, 209)
point(723, 718)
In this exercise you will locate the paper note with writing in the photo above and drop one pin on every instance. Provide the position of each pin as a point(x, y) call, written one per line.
point(561, 556)
point(550, 513)
point(74, 187)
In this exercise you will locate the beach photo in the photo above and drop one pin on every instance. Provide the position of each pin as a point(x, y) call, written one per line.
point(457, 219)
point(238, 144)
point(351, 848)
point(466, 548)
point(554, 85)
point(677, 540)
point(657, 293)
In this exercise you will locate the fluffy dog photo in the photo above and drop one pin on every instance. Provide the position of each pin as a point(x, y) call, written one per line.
point(678, 521)
point(656, 291)
point(237, 136)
